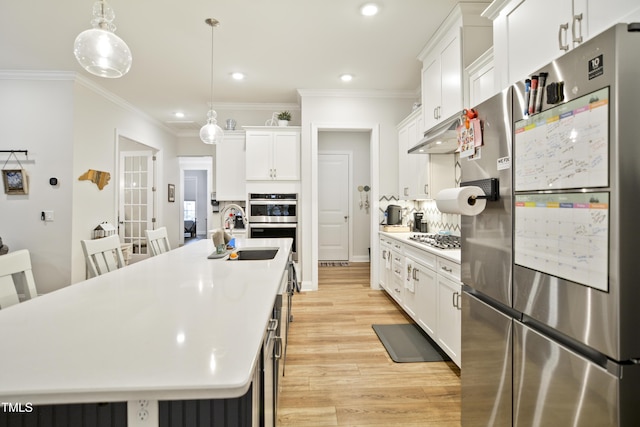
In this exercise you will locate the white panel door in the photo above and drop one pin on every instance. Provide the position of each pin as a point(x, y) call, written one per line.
point(333, 207)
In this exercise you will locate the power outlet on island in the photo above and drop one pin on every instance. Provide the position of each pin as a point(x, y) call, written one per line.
point(142, 413)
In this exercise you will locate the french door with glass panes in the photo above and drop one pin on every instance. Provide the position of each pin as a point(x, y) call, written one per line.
point(137, 204)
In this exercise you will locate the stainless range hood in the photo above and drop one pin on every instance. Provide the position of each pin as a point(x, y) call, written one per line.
point(440, 139)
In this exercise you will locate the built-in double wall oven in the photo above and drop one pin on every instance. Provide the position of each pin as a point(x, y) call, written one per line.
point(274, 215)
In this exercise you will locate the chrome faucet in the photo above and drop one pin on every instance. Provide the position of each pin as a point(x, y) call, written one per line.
point(224, 218)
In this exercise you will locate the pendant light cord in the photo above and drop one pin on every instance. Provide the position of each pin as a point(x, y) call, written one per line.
point(213, 23)
point(211, 98)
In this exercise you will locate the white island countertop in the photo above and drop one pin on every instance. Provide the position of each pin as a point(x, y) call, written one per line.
point(172, 327)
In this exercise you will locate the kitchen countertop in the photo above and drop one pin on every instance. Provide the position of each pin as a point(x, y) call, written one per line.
point(450, 254)
point(172, 327)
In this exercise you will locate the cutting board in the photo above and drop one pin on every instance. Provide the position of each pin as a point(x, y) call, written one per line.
point(395, 228)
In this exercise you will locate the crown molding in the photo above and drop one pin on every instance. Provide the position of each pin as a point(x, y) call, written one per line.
point(256, 106)
point(344, 93)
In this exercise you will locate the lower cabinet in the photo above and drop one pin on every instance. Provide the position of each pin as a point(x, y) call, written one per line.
point(428, 289)
point(384, 275)
point(449, 317)
point(422, 272)
point(397, 277)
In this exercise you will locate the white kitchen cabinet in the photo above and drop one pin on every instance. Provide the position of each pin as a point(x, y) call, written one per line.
point(230, 167)
point(384, 275)
point(462, 37)
point(413, 169)
point(272, 154)
point(540, 31)
point(481, 79)
point(396, 282)
point(421, 271)
point(442, 80)
point(449, 317)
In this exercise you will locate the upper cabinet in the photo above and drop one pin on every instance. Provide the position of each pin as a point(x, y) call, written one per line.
point(481, 79)
point(230, 167)
point(273, 153)
point(462, 38)
point(413, 169)
point(529, 34)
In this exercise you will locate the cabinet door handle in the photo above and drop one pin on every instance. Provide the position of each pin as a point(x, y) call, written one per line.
point(563, 29)
point(577, 22)
point(415, 274)
point(426, 189)
point(278, 348)
point(459, 300)
point(447, 269)
point(406, 191)
point(454, 299)
point(435, 113)
point(275, 173)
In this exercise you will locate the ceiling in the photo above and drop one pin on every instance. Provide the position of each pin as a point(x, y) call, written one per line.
point(281, 46)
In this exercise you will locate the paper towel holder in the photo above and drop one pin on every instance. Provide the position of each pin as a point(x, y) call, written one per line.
point(489, 186)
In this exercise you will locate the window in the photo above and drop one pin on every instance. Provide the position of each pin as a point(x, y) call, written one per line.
point(189, 210)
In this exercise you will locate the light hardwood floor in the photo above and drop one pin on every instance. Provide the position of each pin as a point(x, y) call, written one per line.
point(339, 374)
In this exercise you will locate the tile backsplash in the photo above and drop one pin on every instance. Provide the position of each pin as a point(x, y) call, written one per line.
point(436, 220)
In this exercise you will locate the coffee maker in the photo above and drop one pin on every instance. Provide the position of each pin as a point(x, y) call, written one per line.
point(418, 225)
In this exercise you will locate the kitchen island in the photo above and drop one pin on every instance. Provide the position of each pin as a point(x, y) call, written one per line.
point(174, 327)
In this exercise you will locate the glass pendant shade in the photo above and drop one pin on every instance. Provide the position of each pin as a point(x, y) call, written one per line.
point(211, 133)
point(99, 50)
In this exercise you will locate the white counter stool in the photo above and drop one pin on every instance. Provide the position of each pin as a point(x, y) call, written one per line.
point(102, 255)
point(15, 271)
point(157, 241)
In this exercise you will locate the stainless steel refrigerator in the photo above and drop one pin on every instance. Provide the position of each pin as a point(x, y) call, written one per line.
point(551, 316)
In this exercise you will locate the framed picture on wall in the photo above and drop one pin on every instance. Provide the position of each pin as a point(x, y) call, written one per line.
point(172, 193)
point(15, 181)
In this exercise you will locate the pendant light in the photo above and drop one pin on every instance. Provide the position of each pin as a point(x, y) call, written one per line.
point(98, 49)
point(211, 133)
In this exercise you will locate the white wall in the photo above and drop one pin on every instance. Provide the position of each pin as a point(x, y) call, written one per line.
point(38, 116)
point(379, 112)
point(357, 145)
point(69, 126)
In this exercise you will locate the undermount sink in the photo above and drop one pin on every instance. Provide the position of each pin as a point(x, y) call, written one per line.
point(255, 254)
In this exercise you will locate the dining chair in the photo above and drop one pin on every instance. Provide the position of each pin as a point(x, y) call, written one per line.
point(103, 255)
point(158, 241)
point(15, 273)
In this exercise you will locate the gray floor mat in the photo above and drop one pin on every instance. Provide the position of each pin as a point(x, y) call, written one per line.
point(408, 343)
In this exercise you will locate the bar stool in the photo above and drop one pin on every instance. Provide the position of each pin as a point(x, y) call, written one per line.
point(102, 255)
point(15, 272)
point(158, 241)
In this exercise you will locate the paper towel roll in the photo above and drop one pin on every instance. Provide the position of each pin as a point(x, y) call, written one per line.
point(461, 200)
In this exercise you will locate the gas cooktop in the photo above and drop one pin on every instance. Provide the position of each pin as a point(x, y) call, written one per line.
point(440, 241)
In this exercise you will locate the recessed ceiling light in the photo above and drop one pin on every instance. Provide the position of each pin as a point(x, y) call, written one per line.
point(369, 9)
point(237, 76)
point(346, 77)
point(179, 114)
